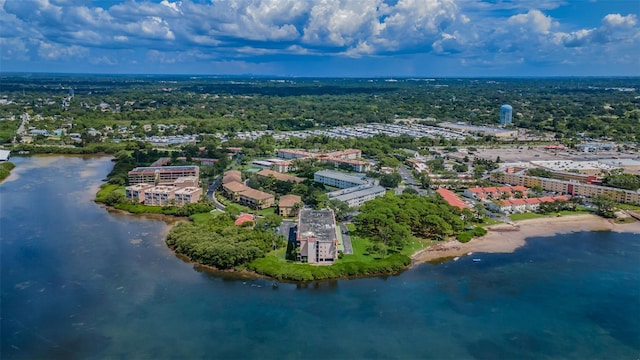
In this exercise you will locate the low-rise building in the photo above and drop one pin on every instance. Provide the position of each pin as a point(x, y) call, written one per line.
point(358, 195)
point(452, 199)
point(256, 199)
point(279, 176)
point(337, 179)
point(232, 176)
point(136, 192)
point(187, 195)
point(317, 237)
point(288, 205)
point(160, 195)
point(233, 189)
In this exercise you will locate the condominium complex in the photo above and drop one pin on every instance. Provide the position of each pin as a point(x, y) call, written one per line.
point(570, 187)
point(317, 237)
point(161, 174)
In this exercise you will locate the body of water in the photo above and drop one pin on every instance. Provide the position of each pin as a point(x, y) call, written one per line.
point(81, 282)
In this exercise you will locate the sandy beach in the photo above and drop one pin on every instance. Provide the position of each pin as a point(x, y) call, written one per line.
point(505, 238)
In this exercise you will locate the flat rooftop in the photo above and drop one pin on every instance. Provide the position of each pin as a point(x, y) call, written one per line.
point(317, 224)
point(340, 176)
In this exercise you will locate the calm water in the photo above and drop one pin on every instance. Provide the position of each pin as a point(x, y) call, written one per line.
point(80, 282)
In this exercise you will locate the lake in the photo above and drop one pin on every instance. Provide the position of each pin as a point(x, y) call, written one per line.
point(81, 282)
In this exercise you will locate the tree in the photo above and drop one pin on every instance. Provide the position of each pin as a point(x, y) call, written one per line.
point(390, 180)
point(605, 205)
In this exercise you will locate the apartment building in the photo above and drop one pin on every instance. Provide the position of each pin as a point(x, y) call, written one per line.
point(566, 187)
point(287, 205)
point(160, 195)
point(161, 174)
point(136, 192)
point(358, 195)
point(337, 179)
point(256, 199)
point(187, 195)
point(348, 158)
point(317, 237)
point(494, 192)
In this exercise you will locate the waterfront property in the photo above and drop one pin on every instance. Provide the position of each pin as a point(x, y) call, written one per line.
point(572, 188)
point(287, 205)
point(522, 205)
point(181, 191)
point(5, 155)
point(495, 192)
point(161, 174)
point(317, 237)
point(452, 199)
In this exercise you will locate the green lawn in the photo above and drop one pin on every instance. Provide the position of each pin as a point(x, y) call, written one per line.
point(205, 217)
point(628, 207)
point(531, 215)
point(107, 189)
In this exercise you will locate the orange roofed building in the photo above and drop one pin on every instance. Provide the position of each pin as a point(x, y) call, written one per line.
point(452, 199)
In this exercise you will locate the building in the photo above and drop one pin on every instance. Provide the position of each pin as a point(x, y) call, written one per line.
point(161, 174)
point(256, 199)
point(136, 192)
point(506, 115)
point(244, 218)
point(452, 199)
point(317, 237)
point(338, 179)
point(187, 195)
point(358, 195)
point(160, 195)
point(186, 181)
point(279, 176)
point(233, 189)
point(232, 176)
point(346, 158)
point(568, 187)
point(522, 205)
point(287, 205)
point(495, 192)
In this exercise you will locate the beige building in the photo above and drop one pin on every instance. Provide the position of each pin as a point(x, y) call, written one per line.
point(572, 188)
point(187, 195)
point(317, 237)
point(161, 174)
point(231, 176)
point(287, 204)
point(233, 189)
point(256, 199)
point(159, 195)
point(136, 192)
point(279, 176)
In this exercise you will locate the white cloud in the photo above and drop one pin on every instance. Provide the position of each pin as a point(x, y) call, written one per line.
point(617, 20)
point(533, 20)
point(52, 51)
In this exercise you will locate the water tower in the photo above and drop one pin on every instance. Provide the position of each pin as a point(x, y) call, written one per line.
point(506, 115)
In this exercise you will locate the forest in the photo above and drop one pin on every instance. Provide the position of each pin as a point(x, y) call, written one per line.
point(570, 107)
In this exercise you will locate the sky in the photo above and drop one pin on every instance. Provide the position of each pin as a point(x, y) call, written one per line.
point(323, 38)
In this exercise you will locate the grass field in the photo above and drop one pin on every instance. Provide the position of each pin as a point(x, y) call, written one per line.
point(526, 216)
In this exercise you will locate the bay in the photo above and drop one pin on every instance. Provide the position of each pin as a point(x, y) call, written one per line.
point(78, 281)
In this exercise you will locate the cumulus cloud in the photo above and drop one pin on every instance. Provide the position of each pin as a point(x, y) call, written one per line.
point(243, 31)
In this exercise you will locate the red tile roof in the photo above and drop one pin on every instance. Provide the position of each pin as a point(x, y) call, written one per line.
point(451, 198)
point(243, 219)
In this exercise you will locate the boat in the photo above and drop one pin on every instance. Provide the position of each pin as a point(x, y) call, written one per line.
point(477, 260)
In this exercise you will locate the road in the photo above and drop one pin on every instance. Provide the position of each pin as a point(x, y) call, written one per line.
point(346, 240)
point(410, 181)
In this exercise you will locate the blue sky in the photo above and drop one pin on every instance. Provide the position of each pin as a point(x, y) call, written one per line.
point(361, 38)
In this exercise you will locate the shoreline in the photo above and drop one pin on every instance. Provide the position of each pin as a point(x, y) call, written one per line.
point(506, 238)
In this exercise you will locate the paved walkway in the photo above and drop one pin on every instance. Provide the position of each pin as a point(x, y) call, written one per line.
point(346, 239)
